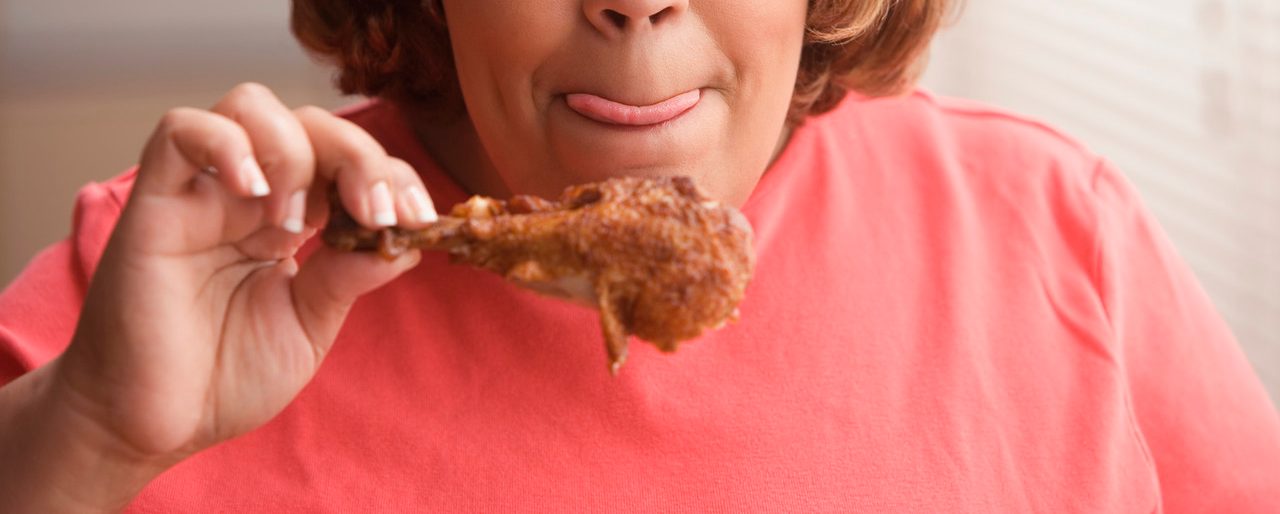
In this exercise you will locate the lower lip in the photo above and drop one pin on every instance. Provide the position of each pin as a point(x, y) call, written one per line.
point(608, 111)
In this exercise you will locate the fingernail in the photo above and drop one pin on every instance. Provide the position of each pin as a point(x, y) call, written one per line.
point(420, 204)
point(294, 213)
point(253, 178)
point(384, 209)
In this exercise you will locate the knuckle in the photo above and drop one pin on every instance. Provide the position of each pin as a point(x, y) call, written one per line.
point(398, 165)
point(310, 111)
point(175, 118)
point(245, 98)
point(251, 91)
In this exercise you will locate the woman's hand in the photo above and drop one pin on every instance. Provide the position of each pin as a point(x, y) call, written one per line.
point(200, 325)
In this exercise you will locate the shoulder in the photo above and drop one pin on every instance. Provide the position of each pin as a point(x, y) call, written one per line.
point(984, 141)
point(1005, 179)
point(39, 308)
point(959, 152)
point(97, 208)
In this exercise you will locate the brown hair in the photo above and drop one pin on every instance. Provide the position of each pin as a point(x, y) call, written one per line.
point(400, 49)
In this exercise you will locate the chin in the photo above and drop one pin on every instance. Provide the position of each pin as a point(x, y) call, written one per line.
point(712, 178)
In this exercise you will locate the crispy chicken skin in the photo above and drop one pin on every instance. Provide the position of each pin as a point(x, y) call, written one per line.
point(658, 258)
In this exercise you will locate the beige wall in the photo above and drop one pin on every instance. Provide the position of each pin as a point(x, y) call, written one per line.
point(83, 83)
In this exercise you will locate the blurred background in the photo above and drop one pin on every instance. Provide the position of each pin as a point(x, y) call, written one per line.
point(1184, 95)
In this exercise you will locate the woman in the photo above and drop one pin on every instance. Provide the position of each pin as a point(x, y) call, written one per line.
point(954, 308)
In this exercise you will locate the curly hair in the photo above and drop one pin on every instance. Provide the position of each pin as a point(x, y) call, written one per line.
point(400, 49)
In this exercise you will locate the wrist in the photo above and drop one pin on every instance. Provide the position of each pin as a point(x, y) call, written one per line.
point(57, 457)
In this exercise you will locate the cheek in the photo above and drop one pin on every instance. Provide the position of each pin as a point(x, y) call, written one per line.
point(498, 45)
point(763, 39)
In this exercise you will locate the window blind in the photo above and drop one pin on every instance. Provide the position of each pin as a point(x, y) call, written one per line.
point(1183, 95)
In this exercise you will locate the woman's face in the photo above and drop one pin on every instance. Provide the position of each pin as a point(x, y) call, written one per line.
point(568, 91)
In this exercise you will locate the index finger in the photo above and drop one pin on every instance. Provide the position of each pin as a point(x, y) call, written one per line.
point(280, 147)
point(347, 155)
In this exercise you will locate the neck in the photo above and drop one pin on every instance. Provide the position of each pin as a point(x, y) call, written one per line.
point(453, 144)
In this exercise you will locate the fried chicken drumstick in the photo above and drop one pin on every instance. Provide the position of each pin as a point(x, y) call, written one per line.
point(658, 258)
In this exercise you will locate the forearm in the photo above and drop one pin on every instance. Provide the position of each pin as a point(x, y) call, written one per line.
point(54, 459)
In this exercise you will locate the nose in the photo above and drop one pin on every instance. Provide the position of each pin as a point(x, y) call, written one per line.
point(621, 17)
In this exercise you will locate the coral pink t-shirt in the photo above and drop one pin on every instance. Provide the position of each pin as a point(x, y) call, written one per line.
point(955, 309)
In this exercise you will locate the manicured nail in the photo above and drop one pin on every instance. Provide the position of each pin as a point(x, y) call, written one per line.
point(296, 210)
point(251, 175)
point(420, 204)
point(384, 208)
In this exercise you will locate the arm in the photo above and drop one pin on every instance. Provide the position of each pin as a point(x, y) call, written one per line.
point(53, 461)
point(1213, 432)
point(55, 457)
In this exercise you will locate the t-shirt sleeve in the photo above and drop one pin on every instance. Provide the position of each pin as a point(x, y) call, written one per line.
point(1213, 433)
point(39, 309)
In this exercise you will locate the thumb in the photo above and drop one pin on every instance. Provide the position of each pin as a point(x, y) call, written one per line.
point(331, 280)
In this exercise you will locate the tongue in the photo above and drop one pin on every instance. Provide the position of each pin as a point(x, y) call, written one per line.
point(608, 111)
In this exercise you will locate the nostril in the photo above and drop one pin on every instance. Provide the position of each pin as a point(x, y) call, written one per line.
point(618, 19)
point(659, 15)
